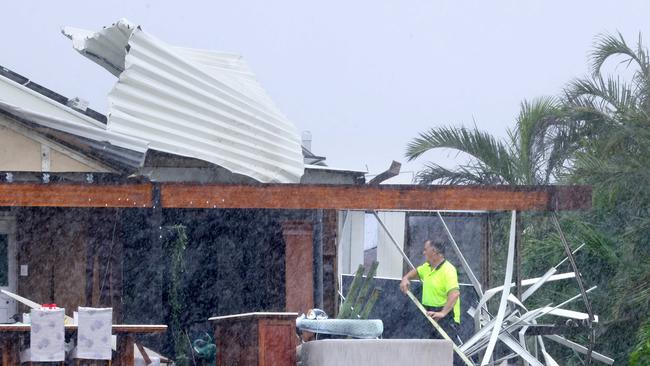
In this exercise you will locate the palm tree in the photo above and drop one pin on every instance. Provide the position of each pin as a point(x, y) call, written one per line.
point(614, 115)
point(613, 112)
point(536, 151)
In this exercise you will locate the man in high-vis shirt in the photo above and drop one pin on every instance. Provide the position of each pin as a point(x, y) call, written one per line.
point(440, 291)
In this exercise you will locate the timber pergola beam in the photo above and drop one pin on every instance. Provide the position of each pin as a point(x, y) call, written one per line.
point(76, 195)
point(299, 196)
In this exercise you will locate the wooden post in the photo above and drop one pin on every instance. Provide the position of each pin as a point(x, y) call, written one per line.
point(116, 279)
point(9, 350)
point(125, 352)
point(155, 221)
point(330, 280)
point(486, 255)
point(299, 265)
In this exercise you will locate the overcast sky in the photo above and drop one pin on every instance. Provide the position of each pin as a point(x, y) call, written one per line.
point(363, 76)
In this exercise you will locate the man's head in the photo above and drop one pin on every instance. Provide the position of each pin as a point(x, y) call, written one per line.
point(433, 251)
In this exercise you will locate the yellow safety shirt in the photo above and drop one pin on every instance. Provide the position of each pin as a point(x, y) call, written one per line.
point(437, 283)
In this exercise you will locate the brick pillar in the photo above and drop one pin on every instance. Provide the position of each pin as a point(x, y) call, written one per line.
point(299, 265)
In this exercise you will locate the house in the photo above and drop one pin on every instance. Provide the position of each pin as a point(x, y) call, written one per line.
point(33, 150)
point(114, 256)
point(89, 202)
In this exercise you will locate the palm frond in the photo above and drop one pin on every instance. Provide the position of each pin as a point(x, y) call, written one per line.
point(641, 354)
point(533, 122)
point(436, 174)
point(607, 96)
point(607, 45)
point(480, 145)
point(561, 148)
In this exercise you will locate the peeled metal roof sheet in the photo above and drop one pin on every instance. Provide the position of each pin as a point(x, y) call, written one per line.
point(195, 103)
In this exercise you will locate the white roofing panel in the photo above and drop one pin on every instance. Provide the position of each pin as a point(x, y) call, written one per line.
point(23, 102)
point(202, 104)
point(20, 95)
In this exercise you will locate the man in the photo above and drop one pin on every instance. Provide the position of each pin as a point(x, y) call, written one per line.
point(440, 291)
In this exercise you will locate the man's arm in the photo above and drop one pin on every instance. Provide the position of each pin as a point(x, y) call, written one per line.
point(452, 297)
point(406, 280)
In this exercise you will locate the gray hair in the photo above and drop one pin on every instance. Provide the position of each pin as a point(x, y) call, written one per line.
point(438, 245)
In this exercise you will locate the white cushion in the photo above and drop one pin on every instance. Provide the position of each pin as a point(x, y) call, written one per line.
point(94, 333)
point(46, 336)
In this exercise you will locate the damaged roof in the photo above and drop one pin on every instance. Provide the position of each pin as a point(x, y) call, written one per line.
point(60, 119)
point(193, 103)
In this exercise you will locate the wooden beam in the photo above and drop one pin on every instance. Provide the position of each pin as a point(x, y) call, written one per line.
point(75, 195)
point(384, 197)
point(300, 196)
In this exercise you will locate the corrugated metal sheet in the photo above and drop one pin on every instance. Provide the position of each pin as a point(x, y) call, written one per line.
point(194, 103)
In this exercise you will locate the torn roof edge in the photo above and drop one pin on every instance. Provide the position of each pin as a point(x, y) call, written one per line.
point(50, 94)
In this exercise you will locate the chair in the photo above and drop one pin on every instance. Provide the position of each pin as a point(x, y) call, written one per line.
point(94, 335)
point(46, 337)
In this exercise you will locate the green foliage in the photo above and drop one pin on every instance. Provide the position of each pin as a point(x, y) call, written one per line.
point(641, 354)
point(615, 159)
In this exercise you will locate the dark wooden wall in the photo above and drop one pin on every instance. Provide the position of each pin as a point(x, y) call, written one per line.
point(73, 257)
point(235, 261)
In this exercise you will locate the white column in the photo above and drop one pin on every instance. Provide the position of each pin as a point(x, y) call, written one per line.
point(350, 241)
point(389, 258)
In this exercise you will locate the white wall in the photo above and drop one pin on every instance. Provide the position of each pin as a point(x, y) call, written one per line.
point(22, 149)
point(350, 241)
point(389, 258)
point(355, 235)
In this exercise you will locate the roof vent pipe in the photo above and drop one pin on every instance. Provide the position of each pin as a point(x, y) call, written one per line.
point(306, 140)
